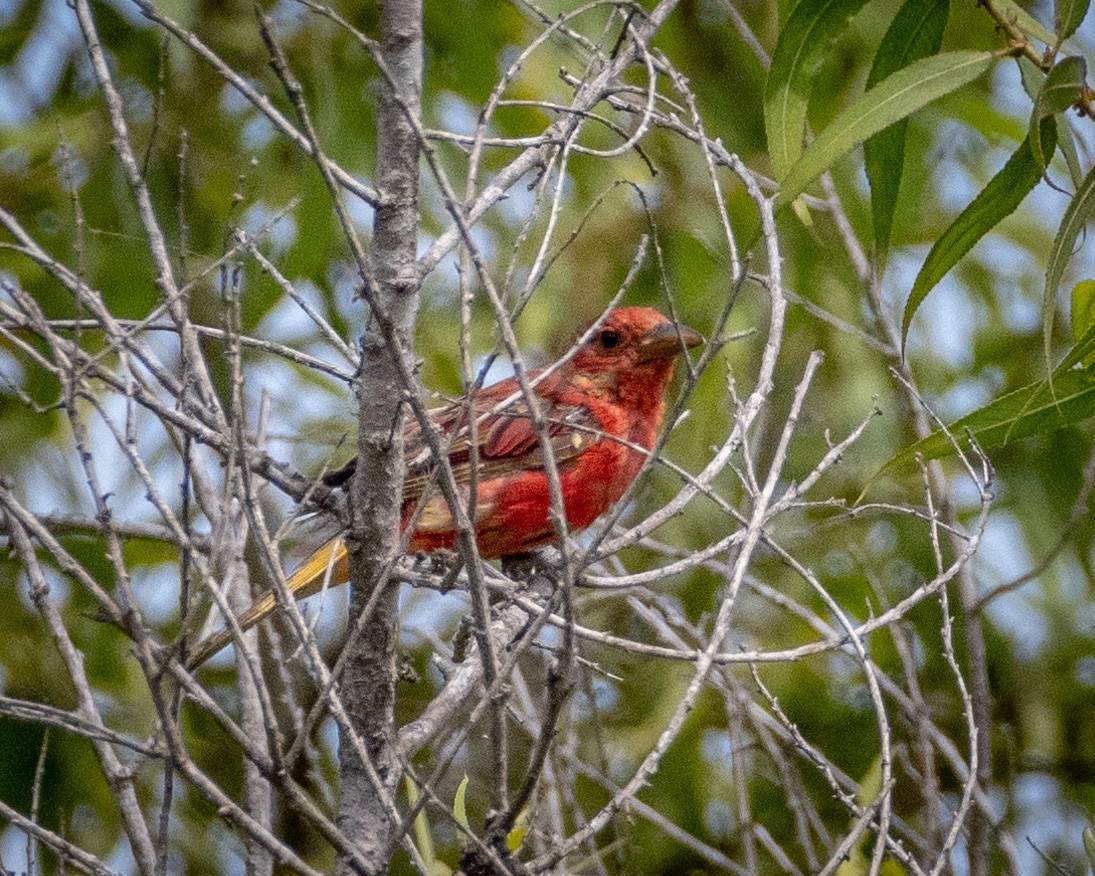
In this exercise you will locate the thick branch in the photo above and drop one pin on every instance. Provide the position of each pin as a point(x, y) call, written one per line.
point(369, 680)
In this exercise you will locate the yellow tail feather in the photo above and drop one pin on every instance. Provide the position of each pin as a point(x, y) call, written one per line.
point(328, 565)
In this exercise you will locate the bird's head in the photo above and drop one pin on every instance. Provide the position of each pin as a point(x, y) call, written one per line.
point(633, 338)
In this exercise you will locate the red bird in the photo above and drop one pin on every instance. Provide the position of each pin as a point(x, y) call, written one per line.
point(614, 387)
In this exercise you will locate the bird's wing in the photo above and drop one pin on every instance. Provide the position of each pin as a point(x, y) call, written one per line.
point(506, 442)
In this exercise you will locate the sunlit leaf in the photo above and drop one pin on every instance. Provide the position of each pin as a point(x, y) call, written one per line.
point(798, 56)
point(517, 835)
point(798, 206)
point(1083, 307)
point(895, 98)
point(1089, 845)
point(1003, 194)
point(1081, 351)
point(459, 804)
point(916, 32)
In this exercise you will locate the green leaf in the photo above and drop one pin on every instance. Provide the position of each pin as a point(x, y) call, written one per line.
point(1020, 413)
point(1083, 349)
point(1035, 409)
point(1077, 213)
point(459, 805)
point(1062, 87)
point(798, 56)
point(998, 199)
point(423, 839)
point(1083, 308)
point(1069, 16)
point(517, 835)
point(1031, 75)
point(899, 95)
point(1067, 144)
point(1023, 20)
point(870, 786)
point(916, 32)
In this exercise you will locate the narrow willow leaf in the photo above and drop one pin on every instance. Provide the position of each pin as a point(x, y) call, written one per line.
point(1032, 76)
point(1066, 141)
point(1062, 87)
point(1032, 410)
point(800, 51)
point(1014, 415)
point(1023, 20)
point(459, 805)
point(1069, 16)
point(916, 32)
point(997, 200)
point(899, 95)
point(1077, 213)
point(422, 837)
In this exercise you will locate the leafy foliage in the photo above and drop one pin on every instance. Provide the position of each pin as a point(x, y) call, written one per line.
point(996, 201)
point(916, 32)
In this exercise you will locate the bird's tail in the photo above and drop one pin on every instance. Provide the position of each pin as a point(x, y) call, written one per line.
point(327, 566)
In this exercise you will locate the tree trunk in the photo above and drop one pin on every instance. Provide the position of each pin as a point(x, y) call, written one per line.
point(368, 685)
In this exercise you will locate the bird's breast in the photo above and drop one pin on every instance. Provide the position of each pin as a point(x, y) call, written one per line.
point(513, 512)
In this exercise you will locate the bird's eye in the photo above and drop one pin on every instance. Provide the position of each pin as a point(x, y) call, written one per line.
point(609, 338)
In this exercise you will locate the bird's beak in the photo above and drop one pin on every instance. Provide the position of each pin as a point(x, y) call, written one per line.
point(667, 340)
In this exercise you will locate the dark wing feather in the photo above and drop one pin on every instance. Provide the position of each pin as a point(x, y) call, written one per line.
point(507, 442)
point(502, 439)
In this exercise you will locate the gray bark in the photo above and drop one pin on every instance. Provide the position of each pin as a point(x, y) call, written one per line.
point(368, 684)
